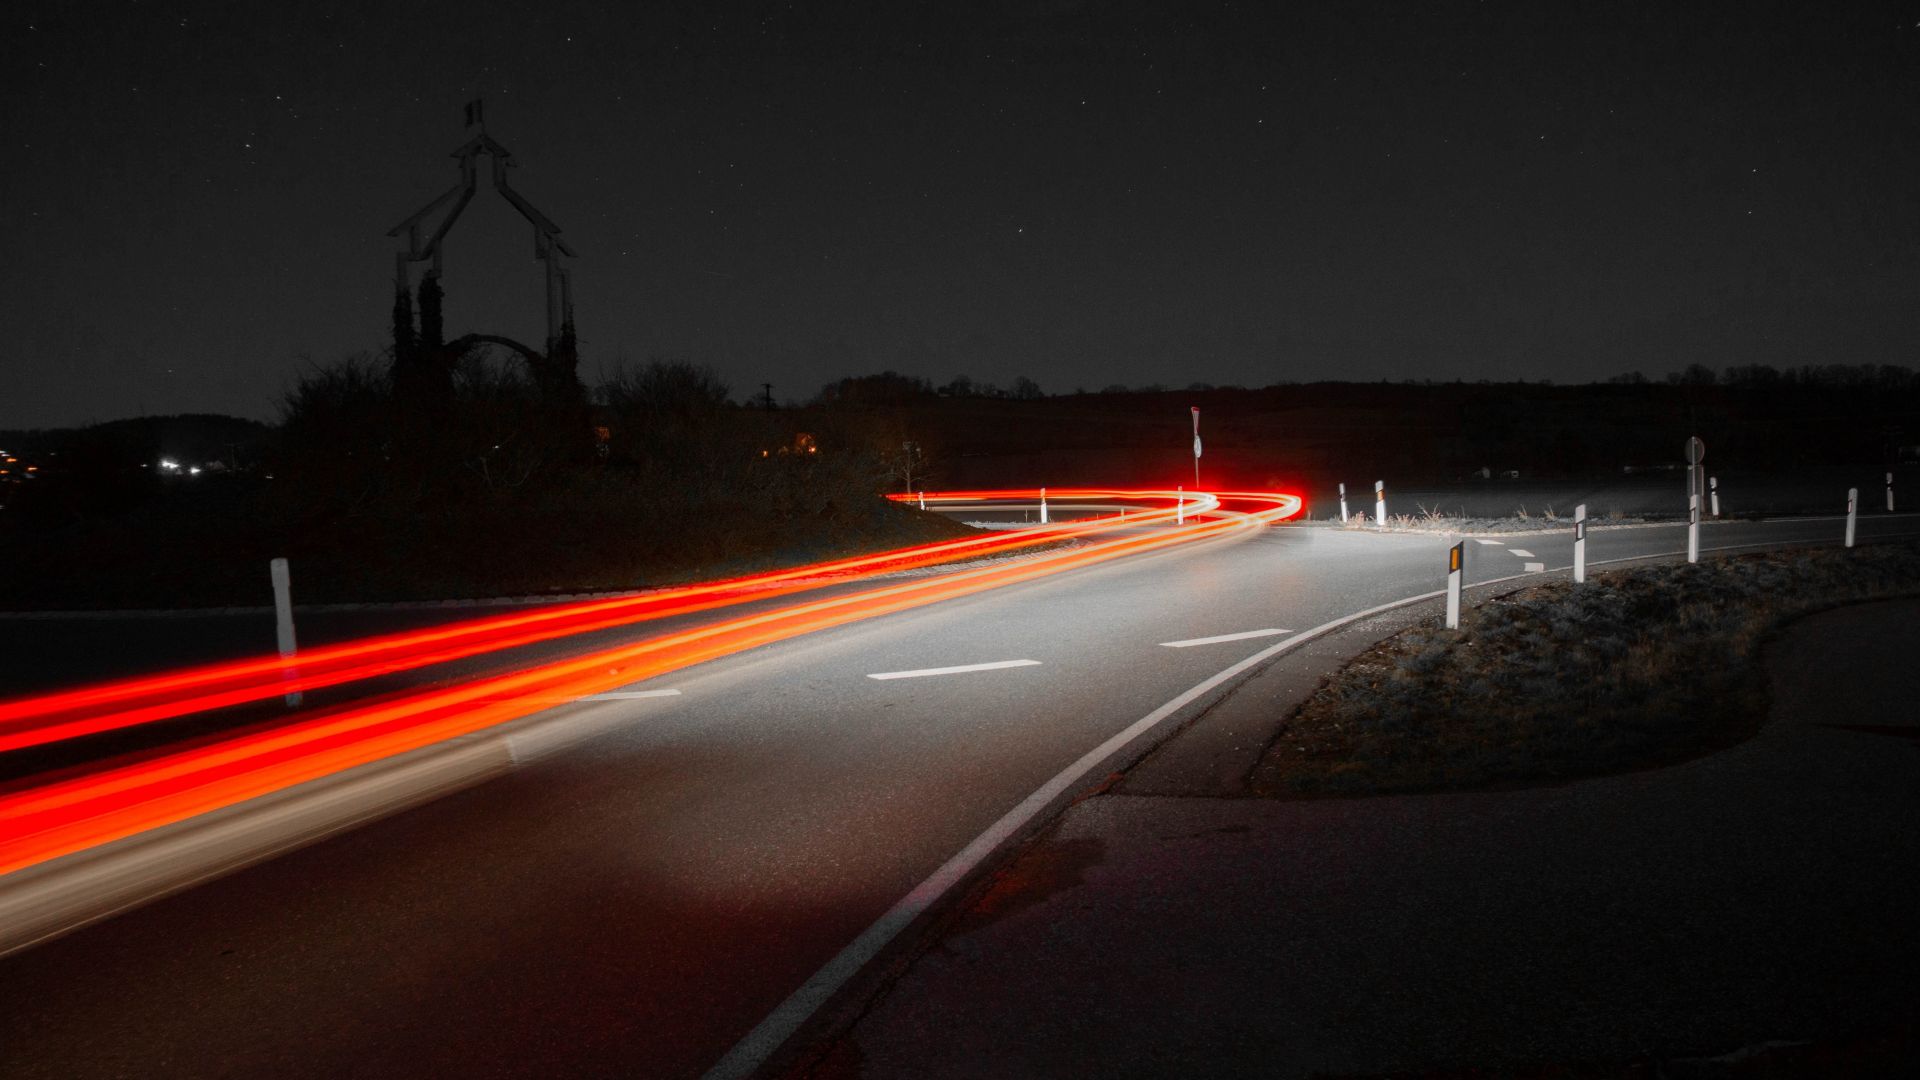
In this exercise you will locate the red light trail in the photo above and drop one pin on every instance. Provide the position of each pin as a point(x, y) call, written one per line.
point(108, 706)
point(76, 813)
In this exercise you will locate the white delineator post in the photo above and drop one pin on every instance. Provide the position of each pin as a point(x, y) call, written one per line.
point(283, 619)
point(1180, 506)
point(923, 500)
point(1580, 543)
point(1380, 504)
point(1713, 493)
point(1343, 504)
point(1693, 526)
point(1853, 510)
point(1889, 493)
point(1043, 506)
point(1456, 561)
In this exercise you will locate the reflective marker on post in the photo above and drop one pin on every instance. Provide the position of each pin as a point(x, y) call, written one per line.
point(1713, 492)
point(1693, 527)
point(1580, 543)
point(283, 618)
point(1456, 558)
point(1853, 508)
point(1180, 506)
point(1889, 493)
point(1043, 506)
point(1380, 503)
point(1343, 504)
point(923, 500)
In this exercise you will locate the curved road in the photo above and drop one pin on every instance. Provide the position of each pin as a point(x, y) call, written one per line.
point(653, 876)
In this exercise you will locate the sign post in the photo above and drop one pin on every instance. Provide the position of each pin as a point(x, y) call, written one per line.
point(1696, 476)
point(1580, 543)
point(1196, 448)
point(1853, 509)
point(1380, 504)
point(283, 620)
point(1456, 558)
point(1343, 504)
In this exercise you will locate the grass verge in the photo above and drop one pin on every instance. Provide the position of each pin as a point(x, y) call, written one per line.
point(1639, 667)
point(1432, 520)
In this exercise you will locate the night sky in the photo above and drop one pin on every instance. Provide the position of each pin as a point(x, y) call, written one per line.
point(196, 196)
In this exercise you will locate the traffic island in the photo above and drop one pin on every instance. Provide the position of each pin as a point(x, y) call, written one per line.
point(1637, 668)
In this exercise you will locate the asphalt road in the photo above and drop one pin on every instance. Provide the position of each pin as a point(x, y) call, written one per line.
point(636, 902)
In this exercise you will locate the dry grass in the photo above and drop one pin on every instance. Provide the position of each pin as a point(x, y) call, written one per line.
point(1639, 667)
point(1433, 519)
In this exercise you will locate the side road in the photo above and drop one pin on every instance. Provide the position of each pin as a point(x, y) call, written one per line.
point(1760, 897)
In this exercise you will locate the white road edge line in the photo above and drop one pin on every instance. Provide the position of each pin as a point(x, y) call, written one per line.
point(1534, 567)
point(770, 1034)
point(1490, 543)
point(758, 1045)
point(1520, 553)
point(956, 670)
point(1218, 638)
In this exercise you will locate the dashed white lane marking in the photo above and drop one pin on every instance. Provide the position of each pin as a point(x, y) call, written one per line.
point(958, 669)
point(1520, 553)
point(629, 695)
point(1534, 567)
point(1218, 638)
point(1490, 543)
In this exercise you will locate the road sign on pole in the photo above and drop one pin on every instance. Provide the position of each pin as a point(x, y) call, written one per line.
point(1696, 475)
point(1196, 448)
point(1580, 543)
point(1456, 560)
point(1853, 509)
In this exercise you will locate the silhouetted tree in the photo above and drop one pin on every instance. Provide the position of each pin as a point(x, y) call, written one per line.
point(886, 388)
